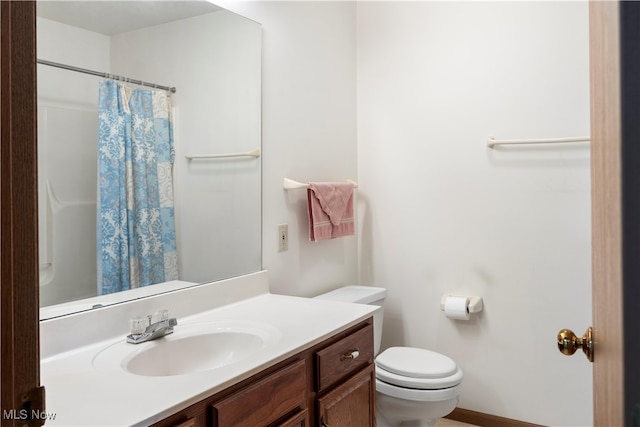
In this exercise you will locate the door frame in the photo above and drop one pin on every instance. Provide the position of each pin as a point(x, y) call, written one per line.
point(19, 313)
point(615, 178)
point(606, 217)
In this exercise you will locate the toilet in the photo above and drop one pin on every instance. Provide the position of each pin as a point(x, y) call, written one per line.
point(414, 386)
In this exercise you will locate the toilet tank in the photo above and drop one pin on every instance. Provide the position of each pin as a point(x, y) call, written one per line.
point(369, 295)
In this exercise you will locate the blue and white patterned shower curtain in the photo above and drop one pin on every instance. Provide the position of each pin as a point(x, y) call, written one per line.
point(135, 220)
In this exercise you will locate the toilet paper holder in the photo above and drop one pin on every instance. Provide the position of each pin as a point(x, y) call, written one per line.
point(475, 302)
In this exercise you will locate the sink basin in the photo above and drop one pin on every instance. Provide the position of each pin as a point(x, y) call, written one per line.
point(190, 349)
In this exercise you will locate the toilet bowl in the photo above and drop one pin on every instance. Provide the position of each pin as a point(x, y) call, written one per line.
point(414, 386)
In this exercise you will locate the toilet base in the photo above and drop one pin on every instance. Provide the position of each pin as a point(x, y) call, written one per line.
point(393, 412)
point(431, 422)
point(382, 422)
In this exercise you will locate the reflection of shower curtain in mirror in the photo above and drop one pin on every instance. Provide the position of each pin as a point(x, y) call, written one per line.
point(135, 224)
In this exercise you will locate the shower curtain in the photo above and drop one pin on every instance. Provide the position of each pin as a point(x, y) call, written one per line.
point(136, 241)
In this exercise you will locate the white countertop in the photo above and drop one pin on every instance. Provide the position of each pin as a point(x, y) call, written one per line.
point(79, 394)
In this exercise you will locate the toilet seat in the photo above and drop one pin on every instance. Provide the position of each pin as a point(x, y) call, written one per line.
point(418, 395)
point(417, 368)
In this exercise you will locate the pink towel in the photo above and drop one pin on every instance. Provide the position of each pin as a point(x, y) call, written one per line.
point(330, 210)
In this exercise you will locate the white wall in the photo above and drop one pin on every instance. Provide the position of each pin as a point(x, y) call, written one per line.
point(440, 213)
point(308, 133)
point(214, 62)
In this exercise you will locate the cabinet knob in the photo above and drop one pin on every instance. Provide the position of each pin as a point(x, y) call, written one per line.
point(353, 354)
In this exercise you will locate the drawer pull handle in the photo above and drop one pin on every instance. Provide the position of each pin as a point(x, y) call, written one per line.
point(353, 354)
point(322, 423)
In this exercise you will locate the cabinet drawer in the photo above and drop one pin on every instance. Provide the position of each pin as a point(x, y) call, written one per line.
point(193, 416)
point(344, 357)
point(265, 401)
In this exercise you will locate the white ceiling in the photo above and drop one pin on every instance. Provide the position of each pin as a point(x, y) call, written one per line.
point(113, 17)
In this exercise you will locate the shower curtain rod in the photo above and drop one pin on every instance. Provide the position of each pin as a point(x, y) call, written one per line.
point(105, 75)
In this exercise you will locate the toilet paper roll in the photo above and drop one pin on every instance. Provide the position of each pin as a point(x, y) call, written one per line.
point(457, 308)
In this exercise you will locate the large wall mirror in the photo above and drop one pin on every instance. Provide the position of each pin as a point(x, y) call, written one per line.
point(213, 59)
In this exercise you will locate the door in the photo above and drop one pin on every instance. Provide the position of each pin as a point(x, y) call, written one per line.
point(615, 171)
point(351, 403)
point(21, 398)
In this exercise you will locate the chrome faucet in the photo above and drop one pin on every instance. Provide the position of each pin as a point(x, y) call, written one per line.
point(153, 331)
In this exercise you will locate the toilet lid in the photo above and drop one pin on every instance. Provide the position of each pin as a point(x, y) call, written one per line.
point(416, 363)
point(417, 369)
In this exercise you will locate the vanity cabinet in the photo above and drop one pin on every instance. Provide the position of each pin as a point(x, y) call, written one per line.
point(330, 384)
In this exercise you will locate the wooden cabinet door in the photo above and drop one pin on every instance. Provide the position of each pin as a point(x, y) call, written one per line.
point(299, 420)
point(351, 404)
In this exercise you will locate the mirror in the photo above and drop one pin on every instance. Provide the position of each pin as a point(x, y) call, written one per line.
point(213, 59)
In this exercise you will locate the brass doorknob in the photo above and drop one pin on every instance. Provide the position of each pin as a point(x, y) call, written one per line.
point(568, 343)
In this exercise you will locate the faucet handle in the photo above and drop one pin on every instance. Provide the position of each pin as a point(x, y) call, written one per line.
point(161, 315)
point(137, 325)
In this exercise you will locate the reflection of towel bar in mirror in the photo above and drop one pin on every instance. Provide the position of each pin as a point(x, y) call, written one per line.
point(491, 141)
point(252, 153)
point(290, 184)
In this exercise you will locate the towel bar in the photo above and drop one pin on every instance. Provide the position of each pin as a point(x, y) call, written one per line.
point(252, 153)
point(290, 184)
point(491, 141)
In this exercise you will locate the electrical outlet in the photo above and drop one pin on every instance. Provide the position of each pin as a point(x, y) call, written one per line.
point(283, 237)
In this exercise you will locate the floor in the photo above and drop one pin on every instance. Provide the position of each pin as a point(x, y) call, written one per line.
point(444, 422)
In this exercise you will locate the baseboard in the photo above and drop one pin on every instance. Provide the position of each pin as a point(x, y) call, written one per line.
point(485, 420)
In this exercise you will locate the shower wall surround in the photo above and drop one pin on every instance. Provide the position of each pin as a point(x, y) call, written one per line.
point(67, 161)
